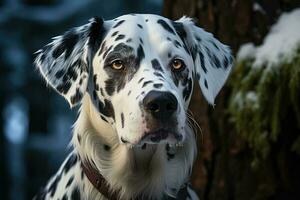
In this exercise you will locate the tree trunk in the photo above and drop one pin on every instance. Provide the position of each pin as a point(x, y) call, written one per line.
point(224, 167)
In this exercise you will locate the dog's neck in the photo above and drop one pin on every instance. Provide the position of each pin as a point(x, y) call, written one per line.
point(133, 171)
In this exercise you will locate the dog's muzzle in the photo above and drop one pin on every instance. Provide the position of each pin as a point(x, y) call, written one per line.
point(160, 108)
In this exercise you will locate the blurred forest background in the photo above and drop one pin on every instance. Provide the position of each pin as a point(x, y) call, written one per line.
point(249, 148)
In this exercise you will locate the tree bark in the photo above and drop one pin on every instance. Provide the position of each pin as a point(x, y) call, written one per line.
point(223, 167)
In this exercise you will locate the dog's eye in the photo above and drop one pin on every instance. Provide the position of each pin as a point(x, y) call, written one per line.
point(177, 64)
point(117, 65)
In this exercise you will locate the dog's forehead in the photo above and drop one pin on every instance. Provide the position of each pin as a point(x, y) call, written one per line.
point(142, 26)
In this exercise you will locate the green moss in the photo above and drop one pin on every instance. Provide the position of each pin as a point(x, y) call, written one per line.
point(262, 97)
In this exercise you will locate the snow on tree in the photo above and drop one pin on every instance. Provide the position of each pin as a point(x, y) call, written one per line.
point(265, 98)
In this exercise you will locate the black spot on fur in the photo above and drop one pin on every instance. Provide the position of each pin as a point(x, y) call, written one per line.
point(67, 44)
point(95, 35)
point(118, 24)
point(128, 40)
point(106, 147)
point(177, 44)
point(65, 197)
point(158, 74)
point(101, 91)
point(180, 30)
point(71, 71)
point(58, 51)
point(146, 20)
point(106, 108)
point(123, 140)
point(205, 84)
point(106, 52)
point(129, 92)
point(122, 120)
point(198, 39)
point(72, 160)
point(156, 65)
point(169, 54)
point(103, 118)
point(194, 52)
point(80, 81)
point(169, 39)
point(82, 174)
point(197, 76)
point(64, 87)
point(214, 44)
point(187, 90)
point(216, 61)
point(140, 26)
point(144, 146)
point(202, 62)
point(141, 80)
point(208, 52)
point(103, 46)
point(140, 54)
point(75, 194)
point(53, 186)
point(76, 97)
point(225, 62)
point(79, 138)
point(60, 73)
point(120, 37)
point(181, 76)
point(70, 181)
point(95, 82)
point(114, 33)
point(157, 85)
point(166, 26)
point(146, 83)
point(141, 41)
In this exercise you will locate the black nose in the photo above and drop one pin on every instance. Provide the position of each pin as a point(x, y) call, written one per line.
point(160, 104)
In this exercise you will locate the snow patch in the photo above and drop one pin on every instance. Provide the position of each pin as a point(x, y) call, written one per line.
point(251, 96)
point(246, 51)
point(279, 45)
point(258, 8)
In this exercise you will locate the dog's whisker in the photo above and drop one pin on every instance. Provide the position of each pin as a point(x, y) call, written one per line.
point(194, 124)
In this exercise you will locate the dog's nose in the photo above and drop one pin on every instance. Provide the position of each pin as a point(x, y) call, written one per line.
point(160, 104)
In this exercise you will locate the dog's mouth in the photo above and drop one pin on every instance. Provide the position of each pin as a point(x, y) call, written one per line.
point(161, 135)
point(158, 136)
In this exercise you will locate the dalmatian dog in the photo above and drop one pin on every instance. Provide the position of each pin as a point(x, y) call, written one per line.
point(133, 78)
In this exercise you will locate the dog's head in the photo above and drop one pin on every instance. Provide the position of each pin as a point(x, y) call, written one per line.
point(138, 71)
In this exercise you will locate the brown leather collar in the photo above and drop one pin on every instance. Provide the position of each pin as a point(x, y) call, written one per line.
point(102, 186)
point(98, 181)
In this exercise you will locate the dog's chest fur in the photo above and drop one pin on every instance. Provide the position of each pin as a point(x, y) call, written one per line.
point(156, 171)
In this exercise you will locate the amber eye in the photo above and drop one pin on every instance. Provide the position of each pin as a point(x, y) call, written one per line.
point(177, 64)
point(117, 65)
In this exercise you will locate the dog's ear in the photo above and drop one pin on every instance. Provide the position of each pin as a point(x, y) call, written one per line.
point(212, 59)
point(65, 62)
